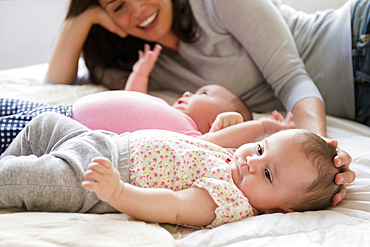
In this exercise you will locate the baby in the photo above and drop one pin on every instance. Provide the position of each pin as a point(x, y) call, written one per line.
point(211, 108)
point(164, 176)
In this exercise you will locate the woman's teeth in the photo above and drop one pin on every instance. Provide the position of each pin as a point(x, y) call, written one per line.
point(148, 20)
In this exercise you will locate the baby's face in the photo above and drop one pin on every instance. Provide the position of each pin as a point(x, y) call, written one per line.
point(204, 105)
point(273, 172)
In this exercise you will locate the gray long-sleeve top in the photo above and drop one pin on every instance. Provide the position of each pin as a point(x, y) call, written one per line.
point(243, 45)
point(247, 46)
point(324, 43)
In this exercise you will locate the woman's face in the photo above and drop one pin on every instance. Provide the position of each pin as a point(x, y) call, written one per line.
point(149, 20)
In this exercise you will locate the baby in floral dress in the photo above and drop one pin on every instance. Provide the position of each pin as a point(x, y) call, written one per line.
point(176, 162)
point(262, 177)
point(163, 176)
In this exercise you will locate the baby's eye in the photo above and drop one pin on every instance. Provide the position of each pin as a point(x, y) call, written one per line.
point(259, 149)
point(267, 174)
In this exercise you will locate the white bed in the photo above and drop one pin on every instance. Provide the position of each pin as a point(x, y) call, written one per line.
point(348, 224)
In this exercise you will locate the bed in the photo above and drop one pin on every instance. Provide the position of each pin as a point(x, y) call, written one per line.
point(348, 224)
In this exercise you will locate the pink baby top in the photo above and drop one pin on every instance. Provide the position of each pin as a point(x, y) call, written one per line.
point(125, 111)
point(165, 159)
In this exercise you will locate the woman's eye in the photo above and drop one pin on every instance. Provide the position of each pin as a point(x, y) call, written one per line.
point(259, 149)
point(119, 7)
point(267, 174)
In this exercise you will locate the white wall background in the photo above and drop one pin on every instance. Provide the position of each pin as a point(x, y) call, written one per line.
point(311, 6)
point(29, 28)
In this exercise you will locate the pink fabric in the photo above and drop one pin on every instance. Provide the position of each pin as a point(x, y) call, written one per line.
point(126, 111)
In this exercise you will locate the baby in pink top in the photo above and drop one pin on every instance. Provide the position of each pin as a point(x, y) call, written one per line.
point(211, 108)
point(125, 111)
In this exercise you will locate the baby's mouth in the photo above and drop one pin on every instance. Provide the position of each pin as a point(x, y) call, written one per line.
point(180, 101)
point(146, 23)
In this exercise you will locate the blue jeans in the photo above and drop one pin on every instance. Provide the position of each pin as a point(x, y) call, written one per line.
point(361, 59)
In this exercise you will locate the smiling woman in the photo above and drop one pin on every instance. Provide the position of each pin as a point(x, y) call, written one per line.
point(109, 39)
point(150, 21)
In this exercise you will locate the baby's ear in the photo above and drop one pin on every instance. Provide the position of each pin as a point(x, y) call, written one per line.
point(287, 210)
point(283, 210)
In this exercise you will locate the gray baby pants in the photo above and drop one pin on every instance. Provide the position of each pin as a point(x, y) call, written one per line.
point(43, 168)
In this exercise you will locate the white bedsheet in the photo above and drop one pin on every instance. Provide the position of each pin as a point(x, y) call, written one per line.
point(348, 224)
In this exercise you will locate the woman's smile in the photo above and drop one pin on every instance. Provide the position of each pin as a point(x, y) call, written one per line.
point(149, 21)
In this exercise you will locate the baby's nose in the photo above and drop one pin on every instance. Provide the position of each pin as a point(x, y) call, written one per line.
point(251, 163)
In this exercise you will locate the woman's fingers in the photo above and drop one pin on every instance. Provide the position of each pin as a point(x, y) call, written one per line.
point(342, 160)
point(103, 19)
point(347, 176)
point(339, 196)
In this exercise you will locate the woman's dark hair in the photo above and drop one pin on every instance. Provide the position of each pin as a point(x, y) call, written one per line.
point(103, 49)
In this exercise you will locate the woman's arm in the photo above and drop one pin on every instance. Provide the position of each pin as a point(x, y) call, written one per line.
point(309, 114)
point(260, 29)
point(192, 206)
point(63, 64)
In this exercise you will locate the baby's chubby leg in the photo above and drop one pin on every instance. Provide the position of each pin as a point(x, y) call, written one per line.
point(43, 168)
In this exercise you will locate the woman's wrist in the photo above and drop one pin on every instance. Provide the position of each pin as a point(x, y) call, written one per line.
point(63, 64)
point(84, 20)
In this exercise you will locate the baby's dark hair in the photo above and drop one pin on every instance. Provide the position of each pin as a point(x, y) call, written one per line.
point(319, 194)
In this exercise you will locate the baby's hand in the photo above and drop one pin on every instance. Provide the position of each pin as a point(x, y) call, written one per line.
point(276, 122)
point(102, 178)
point(226, 119)
point(147, 59)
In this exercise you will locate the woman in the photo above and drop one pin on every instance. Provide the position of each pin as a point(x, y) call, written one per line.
point(201, 39)
point(334, 46)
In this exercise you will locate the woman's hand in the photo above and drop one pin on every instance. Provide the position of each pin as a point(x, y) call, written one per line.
point(343, 160)
point(100, 17)
point(63, 64)
point(103, 179)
